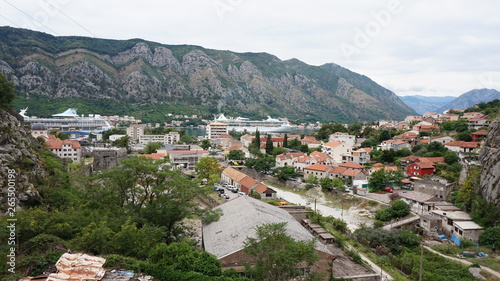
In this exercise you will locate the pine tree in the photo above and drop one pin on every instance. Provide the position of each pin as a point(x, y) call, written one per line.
point(269, 145)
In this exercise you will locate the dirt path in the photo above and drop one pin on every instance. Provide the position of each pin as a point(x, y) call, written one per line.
point(352, 217)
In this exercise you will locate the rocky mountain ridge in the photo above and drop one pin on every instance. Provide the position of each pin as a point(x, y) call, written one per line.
point(423, 104)
point(138, 72)
point(471, 98)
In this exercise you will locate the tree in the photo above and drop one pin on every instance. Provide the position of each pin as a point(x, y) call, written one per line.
point(269, 145)
point(285, 173)
point(187, 139)
point(378, 180)
point(285, 141)
point(276, 254)
point(236, 155)
point(152, 147)
point(208, 168)
point(122, 142)
point(490, 237)
point(7, 94)
point(205, 144)
point(326, 184)
point(278, 151)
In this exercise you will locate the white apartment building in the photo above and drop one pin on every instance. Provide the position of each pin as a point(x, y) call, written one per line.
point(216, 129)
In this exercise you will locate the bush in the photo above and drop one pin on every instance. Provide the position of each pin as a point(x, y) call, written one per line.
point(378, 224)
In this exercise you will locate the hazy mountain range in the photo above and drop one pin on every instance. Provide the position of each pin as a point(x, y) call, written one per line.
point(148, 80)
point(422, 104)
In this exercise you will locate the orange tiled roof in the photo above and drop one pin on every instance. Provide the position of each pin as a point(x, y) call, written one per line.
point(351, 165)
point(248, 182)
point(234, 174)
point(318, 167)
point(480, 133)
point(56, 143)
point(333, 143)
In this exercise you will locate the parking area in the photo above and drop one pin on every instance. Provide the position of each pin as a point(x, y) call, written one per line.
point(226, 191)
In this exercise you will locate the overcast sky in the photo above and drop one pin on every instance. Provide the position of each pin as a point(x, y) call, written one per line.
point(432, 48)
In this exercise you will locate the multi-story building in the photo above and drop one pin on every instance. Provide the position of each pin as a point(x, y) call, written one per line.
point(216, 129)
point(67, 149)
point(170, 138)
point(343, 137)
point(135, 131)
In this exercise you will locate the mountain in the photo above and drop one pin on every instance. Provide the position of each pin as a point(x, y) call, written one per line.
point(471, 98)
point(423, 104)
point(148, 80)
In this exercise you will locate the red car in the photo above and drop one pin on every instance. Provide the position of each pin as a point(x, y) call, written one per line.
point(389, 190)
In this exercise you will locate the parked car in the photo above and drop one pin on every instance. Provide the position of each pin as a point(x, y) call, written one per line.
point(389, 190)
point(226, 196)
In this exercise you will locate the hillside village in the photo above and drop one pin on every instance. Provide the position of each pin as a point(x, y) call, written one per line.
point(341, 163)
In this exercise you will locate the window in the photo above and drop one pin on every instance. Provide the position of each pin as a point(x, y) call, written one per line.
point(304, 271)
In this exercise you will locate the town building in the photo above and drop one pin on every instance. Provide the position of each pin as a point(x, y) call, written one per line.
point(66, 149)
point(434, 186)
point(170, 138)
point(134, 131)
point(216, 129)
point(343, 137)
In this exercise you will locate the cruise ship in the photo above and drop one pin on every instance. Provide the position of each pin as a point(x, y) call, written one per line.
point(270, 125)
point(69, 121)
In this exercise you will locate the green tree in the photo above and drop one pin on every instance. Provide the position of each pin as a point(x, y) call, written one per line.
point(152, 147)
point(236, 155)
point(338, 184)
point(285, 173)
point(378, 180)
point(490, 237)
point(278, 151)
point(277, 255)
point(122, 142)
point(326, 184)
point(7, 94)
point(205, 144)
point(269, 145)
point(285, 141)
point(209, 169)
point(187, 139)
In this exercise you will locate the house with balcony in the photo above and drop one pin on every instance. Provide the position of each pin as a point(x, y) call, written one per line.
point(343, 137)
point(479, 135)
point(336, 149)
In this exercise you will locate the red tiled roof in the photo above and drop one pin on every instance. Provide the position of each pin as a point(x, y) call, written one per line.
point(337, 170)
point(350, 173)
point(480, 133)
point(439, 160)
point(318, 167)
point(333, 143)
point(56, 143)
point(424, 165)
point(351, 165)
point(248, 182)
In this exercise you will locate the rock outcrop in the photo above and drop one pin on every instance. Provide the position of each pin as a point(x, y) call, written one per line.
point(490, 159)
point(18, 152)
